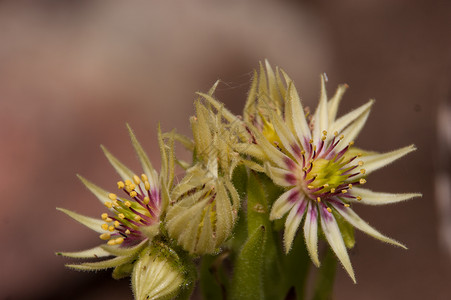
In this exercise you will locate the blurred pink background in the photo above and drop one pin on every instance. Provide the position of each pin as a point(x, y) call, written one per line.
point(72, 73)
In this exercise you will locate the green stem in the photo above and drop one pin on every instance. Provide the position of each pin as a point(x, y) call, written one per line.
point(326, 277)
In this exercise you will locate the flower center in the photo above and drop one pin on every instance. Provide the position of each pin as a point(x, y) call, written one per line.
point(326, 173)
point(140, 207)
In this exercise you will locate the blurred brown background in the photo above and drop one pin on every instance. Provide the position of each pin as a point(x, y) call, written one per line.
point(72, 73)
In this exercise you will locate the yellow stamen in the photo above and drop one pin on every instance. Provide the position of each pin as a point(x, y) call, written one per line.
point(146, 200)
point(133, 194)
point(358, 198)
point(329, 209)
point(335, 133)
point(318, 199)
point(342, 137)
point(362, 181)
point(120, 185)
point(127, 231)
point(137, 218)
point(362, 171)
point(136, 179)
point(111, 228)
point(347, 205)
point(350, 186)
point(147, 185)
point(104, 216)
point(111, 242)
point(116, 224)
point(351, 143)
point(105, 226)
point(121, 216)
point(332, 190)
point(112, 196)
point(128, 182)
point(108, 204)
point(108, 220)
point(324, 132)
point(311, 141)
point(310, 187)
point(144, 177)
point(119, 241)
point(344, 191)
point(360, 163)
point(105, 236)
point(127, 203)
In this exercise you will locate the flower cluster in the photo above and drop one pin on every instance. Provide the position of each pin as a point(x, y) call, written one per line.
point(155, 226)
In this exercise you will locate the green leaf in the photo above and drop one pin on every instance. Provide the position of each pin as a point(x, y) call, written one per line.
point(346, 229)
point(247, 281)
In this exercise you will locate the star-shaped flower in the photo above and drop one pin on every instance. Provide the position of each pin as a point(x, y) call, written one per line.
point(314, 159)
point(133, 214)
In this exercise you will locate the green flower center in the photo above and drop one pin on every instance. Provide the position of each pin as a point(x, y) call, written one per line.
point(326, 173)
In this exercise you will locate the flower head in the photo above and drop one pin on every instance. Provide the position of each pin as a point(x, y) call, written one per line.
point(204, 205)
point(315, 160)
point(133, 215)
point(158, 273)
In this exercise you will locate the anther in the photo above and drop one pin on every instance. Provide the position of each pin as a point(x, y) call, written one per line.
point(310, 187)
point(362, 171)
point(108, 204)
point(347, 205)
point(144, 177)
point(324, 132)
point(116, 224)
point(362, 181)
point(128, 182)
point(350, 186)
point(108, 220)
point(119, 241)
point(104, 216)
point(351, 143)
point(342, 137)
point(323, 138)
point(111, 228)
point(112, 196)
point(358, 198)
point(318, 199)
point(127, 231)
point(332, 190)
point(335, 133)
point(329, 209)
point(104, 226)
point(146, 200)
point(137, 218)
point(111, 242)
point(147, 185)
point(127, 203)
point(105, 236)
point(302, 152)
point(121, 216)
point(120, 185)
point(326, 185)
point(359, 154)
point(311, 141)
point(360, 163)
point(133, 194)
point(344, 191)
point(136, 179)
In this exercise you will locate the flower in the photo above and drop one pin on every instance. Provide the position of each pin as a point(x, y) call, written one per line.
point(204, 205)
point(132, 219)
point(315, 160)
point(158, 273)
